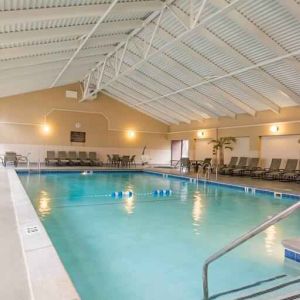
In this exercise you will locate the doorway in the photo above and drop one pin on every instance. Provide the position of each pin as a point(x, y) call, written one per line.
point(179, 149)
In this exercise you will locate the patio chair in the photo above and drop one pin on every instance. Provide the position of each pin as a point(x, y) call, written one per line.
point(231, 164)
point(125, 161)
point(290, 175)
point(51, 159)
point(132, 161)
point(62, 158)
point(115, 160)
point(84, 160)
point(10, 157)
point(274, 166)
point(249, 169)
point(290, 167)
point(185, 163)
point(94, 160)
point(73, 158)
point(109, 160)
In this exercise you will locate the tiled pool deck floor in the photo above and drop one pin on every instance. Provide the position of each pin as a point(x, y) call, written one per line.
point(13, 275)
point(14, 283)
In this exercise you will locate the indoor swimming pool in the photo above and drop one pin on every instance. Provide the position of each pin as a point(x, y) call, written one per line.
point(153, 245)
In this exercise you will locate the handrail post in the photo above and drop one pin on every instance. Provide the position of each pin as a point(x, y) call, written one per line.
point(205, 282)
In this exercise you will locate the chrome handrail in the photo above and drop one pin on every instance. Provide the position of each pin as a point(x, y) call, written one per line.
point(245, 237)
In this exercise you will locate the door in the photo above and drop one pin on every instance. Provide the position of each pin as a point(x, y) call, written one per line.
point(179, 149)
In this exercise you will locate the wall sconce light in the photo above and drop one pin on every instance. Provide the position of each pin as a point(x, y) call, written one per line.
point(77, 125)
point(131, 134)
point(274, 128)
point(46, 128)
point(200, 134)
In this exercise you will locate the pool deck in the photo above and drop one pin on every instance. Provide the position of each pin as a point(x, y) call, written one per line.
point(13, 270)
point(30, 266)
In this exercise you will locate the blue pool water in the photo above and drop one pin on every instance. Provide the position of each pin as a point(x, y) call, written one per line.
point(148, 247)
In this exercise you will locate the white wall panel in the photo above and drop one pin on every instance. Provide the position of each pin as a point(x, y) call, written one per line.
point(203, 149)
point(280, 147)
point(240, 148)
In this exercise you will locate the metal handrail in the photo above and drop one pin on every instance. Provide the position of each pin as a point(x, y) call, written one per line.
point(245, 237)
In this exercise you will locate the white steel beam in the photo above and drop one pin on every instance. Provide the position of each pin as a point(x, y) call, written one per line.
point(10, 73)
point(171, 116)
point(54, 13)
point(127, 101)
point(171, 111)
point(257, 33)
point(180, 105)
point(85, 40)
point(157, 86)
point(12, 53)
point(190, 74)
point(266, 77)
point(204, 22)
point(292, 7)
point(237, 72)
point(231, 52)
point(197, 17)
point(67, 32)
point(42, 59)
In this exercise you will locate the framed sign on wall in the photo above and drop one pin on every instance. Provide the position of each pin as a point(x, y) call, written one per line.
point(78, 137)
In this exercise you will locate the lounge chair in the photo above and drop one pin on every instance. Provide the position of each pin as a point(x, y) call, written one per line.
point(290, 167)
point(10, 157)
point(242, 164)
point(274, 166)
point(185, 163)
point(93, 158)
point(51, 159)
point(62, 158)
point(84, 160)
point(249, 169)
point(290, 175)
point(73, 158)
point(231, 164)
point(132, 161)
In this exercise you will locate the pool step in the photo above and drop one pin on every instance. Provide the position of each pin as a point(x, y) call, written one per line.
point(276, 290)
point(290, 296)
point(279, 288)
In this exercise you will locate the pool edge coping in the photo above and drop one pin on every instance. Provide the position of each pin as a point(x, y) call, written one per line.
point(231, 185)
point(253, 189)
point(46, 274)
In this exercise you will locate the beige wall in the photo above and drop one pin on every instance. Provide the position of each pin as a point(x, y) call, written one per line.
point(105, 121)
point(249, 129)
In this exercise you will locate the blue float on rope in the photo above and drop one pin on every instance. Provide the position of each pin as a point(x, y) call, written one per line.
point(162, 192)
point(122, 194)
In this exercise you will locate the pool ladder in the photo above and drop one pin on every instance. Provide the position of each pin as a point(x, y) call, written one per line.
point(207, 173)
point(245, 237)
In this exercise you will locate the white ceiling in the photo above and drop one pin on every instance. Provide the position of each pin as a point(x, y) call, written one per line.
point(177, 61)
